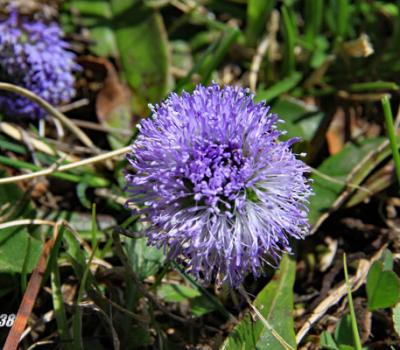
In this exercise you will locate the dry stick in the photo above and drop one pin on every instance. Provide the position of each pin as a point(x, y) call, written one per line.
point(102, 128)
point(256, 62)
point(61, 168)
point(30, 295)
point(267, 43)
point(51, 110)
point(74, 105)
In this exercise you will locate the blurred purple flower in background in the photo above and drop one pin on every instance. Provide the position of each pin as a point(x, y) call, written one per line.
point(33, 55)
point(218, 187)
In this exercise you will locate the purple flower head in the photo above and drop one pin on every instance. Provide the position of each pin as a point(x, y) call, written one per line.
point(34, 55)
point(218, 187)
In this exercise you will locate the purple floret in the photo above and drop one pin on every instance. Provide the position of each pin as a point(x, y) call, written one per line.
point(33, 55)
point(218, 187)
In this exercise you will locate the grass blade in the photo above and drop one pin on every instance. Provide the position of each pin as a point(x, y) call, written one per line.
point(289, 31)
point(356, 335)
point(387, 111)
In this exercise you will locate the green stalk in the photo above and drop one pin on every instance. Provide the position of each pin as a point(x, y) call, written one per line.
point(58, 304)
point(356, 336)
point(374, 86)
point(387, 112)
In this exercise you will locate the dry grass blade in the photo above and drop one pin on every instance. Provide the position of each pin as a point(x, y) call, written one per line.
point(268, 41)
point(16, 133)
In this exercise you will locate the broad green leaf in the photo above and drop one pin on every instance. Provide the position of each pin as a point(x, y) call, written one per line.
point(344, 332)
point(15, 248)
point(346, 347)
point(176, 292)
point(19, 249)
point(383, 287)
point(275, 303)
point(396, 318)
point(327, 342)
point(202, 305)
point(300, 120)
point(145, 259)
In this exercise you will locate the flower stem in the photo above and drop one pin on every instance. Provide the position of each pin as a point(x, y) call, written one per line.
point(356, 336)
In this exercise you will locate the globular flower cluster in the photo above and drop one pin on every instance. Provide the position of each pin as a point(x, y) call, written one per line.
point(220, 190)
point(33, 55)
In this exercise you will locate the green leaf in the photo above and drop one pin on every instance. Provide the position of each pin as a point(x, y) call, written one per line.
point(19, 249)
point(275, 303)
point(344, 332)
point(202, 305)
point(327, 342)
point(284, 85)
point(300, 121)
point(383, 287)
point(146, 260)
point(16, 253)
point(346, 347)
point(176, 292)
point(396, 318)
